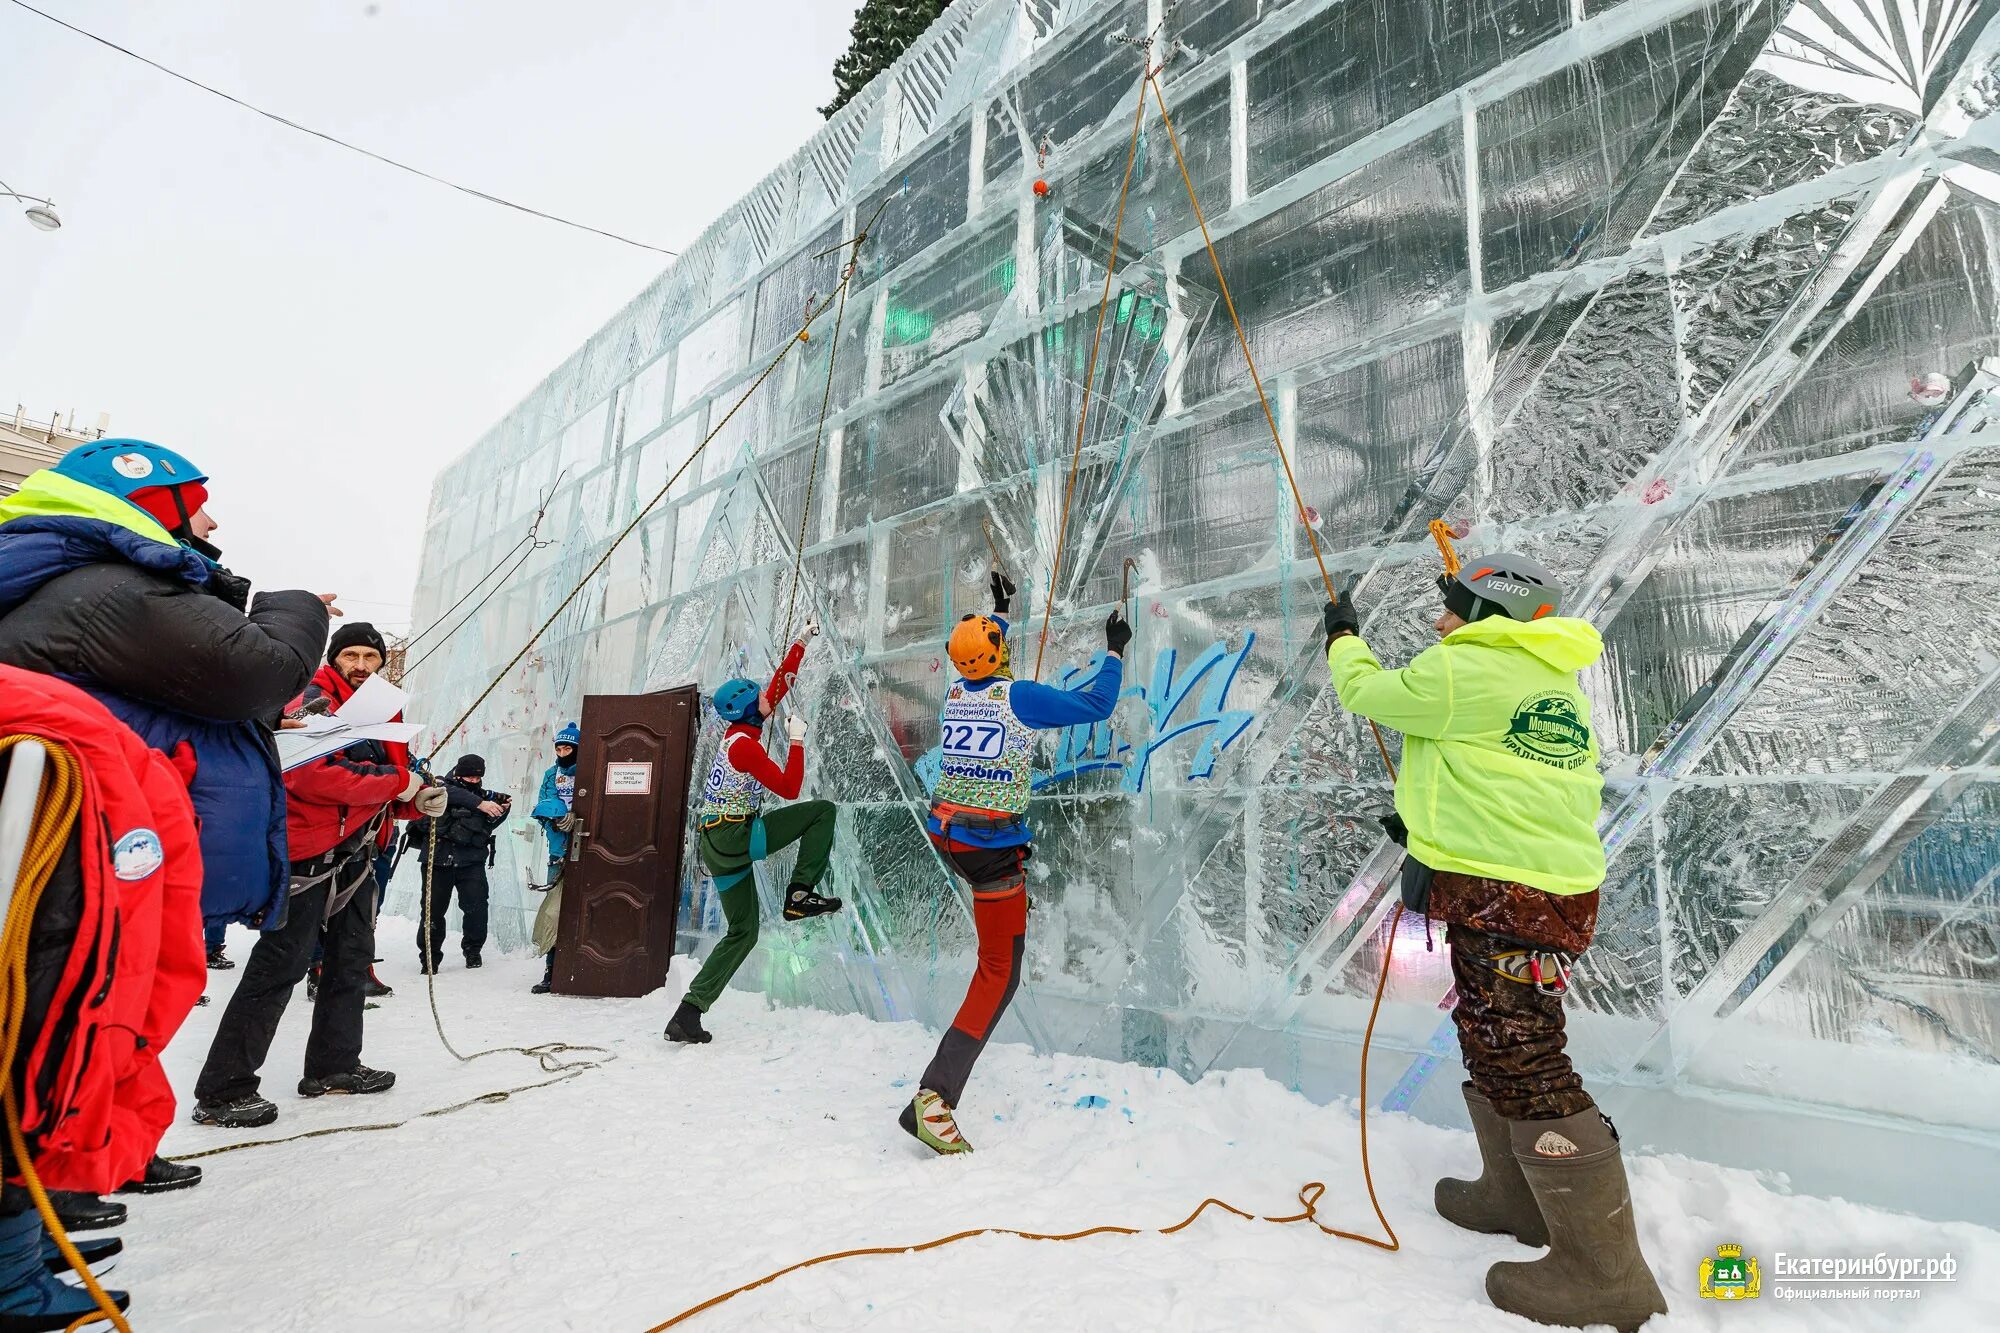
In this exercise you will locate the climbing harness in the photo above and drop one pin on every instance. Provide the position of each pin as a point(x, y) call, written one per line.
point(55, 816)
point(1547, 970)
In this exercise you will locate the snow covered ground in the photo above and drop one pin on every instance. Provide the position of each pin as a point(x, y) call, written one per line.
point(617, 1199)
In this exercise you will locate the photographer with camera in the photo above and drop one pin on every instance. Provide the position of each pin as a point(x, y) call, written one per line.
point(464, 851)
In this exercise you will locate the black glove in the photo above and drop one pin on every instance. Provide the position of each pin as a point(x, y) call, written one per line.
point(1392, 824)
point(1003, 592)
point(1342, 617)
point(1117, 633)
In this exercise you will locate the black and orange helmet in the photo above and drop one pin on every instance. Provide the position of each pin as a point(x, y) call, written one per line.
point(977, 648)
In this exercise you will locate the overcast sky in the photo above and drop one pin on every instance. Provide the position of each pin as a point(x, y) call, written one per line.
point(320, 332)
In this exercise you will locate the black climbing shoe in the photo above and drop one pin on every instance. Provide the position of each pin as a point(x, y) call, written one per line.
point(377, 989)
point(162, 1177)
point(218, 961)
point(358, 1081)
point(99, 1252)
point(685, 1025)
point(802, 902)
point(246, 1112)
point(86, 1212)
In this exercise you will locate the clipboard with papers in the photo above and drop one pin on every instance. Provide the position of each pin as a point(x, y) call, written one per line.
point(364, 717)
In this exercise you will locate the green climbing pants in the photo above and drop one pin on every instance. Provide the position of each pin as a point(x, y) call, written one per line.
point(729, 851)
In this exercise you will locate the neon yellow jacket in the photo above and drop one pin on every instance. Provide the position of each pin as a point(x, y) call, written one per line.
point(1499, 764)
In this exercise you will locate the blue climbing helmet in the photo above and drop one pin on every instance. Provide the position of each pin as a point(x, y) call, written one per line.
point(125, 467)
point(736, 700)
point(570, 734)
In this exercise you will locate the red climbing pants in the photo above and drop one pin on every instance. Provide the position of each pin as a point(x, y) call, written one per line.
point(1000, 913)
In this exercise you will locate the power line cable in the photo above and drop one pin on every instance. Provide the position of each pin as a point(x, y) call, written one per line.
point(339, 142)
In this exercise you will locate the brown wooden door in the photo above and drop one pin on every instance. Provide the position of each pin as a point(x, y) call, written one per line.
point(621, 888)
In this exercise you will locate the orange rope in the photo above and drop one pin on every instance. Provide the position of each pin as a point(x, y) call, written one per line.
point(1310, 1194)
point(62, 801)
point(1243, 341)
point(1090, 371)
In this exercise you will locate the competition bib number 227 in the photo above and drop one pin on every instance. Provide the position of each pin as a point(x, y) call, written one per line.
point(974, 740)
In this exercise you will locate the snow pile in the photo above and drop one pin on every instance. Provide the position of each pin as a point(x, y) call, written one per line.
point(617, 1199)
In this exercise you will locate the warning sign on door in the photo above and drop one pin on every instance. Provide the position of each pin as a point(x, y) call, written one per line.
point(628, 779)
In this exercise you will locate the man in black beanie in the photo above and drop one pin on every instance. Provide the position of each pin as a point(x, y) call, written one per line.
point(355, 653)
point(464, 850)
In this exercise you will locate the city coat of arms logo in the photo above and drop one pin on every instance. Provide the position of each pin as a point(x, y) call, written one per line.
point(1729, 1276)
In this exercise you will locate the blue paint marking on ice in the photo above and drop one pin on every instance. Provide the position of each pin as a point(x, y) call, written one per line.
point(1091, 1102)
point(1099, 748)
point(1442, 1044)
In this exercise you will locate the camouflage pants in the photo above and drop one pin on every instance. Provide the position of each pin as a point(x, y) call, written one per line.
point(1511, 1034)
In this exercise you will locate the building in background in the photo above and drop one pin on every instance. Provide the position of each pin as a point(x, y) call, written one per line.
point(27, 445)
point(1699, 308)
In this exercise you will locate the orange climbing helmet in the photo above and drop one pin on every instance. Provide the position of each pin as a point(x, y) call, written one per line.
point(977, 647)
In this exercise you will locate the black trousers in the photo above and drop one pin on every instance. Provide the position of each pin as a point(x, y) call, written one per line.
point(276, 965)
point(469, 882)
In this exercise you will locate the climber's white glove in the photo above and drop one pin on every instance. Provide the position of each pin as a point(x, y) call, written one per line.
point(795, 729)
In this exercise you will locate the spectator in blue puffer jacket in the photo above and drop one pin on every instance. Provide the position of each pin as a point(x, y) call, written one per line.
point(108, 580)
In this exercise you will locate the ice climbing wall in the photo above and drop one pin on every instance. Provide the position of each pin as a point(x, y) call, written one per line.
point(1699, 302)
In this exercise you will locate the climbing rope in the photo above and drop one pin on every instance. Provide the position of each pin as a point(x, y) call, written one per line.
point(1250, 362)
point(483, 1099)
point(1310, 1194)
point(825, 405)
point(533, 541)
point(644, 512)
point(55, 817)
point(1090, 370)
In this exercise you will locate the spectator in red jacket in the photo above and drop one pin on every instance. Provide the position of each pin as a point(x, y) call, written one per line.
point(335, 808)
point(356, 652)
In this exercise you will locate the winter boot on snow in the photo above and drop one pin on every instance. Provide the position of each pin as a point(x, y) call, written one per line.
point(162, 1177)
point(1499, 1202)
point(100, 1253)
point(929, 1121)
point(31, 1299)
point(359, 1081)
point(246, 1112)
point(377, 989)
point(1594, 1272)
point(685, 1025)
point(218, 961)
point(78, 1211)
point(802, 901)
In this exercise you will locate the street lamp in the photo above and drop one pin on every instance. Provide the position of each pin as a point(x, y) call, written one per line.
point(41, 214)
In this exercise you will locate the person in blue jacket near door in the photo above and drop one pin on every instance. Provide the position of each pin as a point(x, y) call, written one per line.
point(553, 811)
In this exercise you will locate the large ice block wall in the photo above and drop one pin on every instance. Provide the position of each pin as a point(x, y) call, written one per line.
point(1692, 300)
